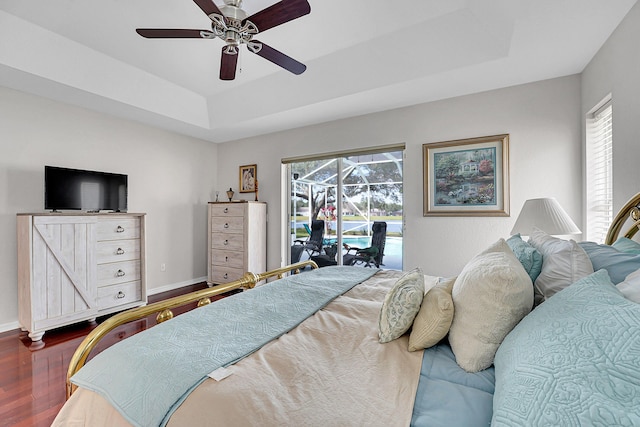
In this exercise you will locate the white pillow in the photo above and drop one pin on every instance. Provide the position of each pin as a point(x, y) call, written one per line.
point(630, 287)
point(563, 263)
point(490, 296)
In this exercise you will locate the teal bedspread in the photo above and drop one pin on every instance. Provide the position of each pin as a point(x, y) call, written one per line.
point(149, 374)
point(574, 361)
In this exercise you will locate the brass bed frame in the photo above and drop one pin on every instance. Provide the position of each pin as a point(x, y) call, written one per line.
point(163, 312)
point(631, 211)
point(162, 309)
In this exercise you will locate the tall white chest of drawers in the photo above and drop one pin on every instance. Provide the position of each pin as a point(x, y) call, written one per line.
point(75, 267)
point(237, 240)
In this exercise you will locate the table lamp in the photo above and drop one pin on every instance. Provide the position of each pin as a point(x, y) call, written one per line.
point(547, 215)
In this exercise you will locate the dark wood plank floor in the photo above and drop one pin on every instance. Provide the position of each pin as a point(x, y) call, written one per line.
point(32, 375)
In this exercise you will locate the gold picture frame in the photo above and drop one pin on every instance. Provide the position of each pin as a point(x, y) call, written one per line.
point(248, 178)
point(466, 177)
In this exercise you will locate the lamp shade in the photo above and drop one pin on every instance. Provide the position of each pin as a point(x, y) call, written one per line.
point(547, 215)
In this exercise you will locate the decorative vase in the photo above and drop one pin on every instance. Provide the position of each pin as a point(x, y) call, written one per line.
point(230, 194)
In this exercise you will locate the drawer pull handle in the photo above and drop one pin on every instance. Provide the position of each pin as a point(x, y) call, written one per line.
point(226, 210)
point(120, 273)
point(226, 259)
point(226, 275)
point(119, 251)
point(226, 242)
point(226, 225)
point(120, 295)
point(119, 229)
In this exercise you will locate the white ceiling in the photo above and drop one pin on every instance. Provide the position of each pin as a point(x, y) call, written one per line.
point(362, 56)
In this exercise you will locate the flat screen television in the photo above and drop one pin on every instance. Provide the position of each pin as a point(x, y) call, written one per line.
point(86, 190)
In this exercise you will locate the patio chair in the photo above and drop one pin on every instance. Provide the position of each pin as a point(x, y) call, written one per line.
point(372, 254)
point(296, 253)
point(313, 244)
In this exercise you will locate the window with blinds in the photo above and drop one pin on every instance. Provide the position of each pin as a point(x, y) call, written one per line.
point(599, 169)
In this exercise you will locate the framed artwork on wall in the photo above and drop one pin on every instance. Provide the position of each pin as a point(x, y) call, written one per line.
point(466, 177)
point(248, 178)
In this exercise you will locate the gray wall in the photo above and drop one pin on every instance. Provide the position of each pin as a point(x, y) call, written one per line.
point(171, 178)
point(615, 70)
point(543, 120)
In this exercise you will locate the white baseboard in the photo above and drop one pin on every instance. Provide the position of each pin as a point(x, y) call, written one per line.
point(173, 286)
point(6, 327)
point(9, 326)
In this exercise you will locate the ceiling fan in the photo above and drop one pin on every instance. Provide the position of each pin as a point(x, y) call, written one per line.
point(231, 24)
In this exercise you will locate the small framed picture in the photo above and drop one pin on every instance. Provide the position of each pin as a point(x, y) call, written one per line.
point(248, 177)
point(467, 177)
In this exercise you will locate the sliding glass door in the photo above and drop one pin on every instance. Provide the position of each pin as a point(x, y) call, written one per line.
point(342, 203)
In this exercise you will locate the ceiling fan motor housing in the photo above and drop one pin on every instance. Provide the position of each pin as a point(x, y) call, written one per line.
point(233, 10)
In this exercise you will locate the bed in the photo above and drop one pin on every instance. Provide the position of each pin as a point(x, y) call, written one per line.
point(542, 332)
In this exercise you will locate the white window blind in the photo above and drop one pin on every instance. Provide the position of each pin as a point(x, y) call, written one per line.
point(599, 169)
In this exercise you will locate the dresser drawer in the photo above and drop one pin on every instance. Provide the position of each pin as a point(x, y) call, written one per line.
point(118, 228)
point(232, 209)
point(232, 224)
point(118, 272)
point(232, 242)
point(225, 274)
point(224, 258)
point(117, 250)
point(115, 295)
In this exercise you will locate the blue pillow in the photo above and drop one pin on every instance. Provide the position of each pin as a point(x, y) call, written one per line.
point(529, 257)
point(618, 264)
point(572, 361)
point(624, 244)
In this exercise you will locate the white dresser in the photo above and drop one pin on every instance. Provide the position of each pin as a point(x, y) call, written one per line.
point(75, 267)
point(237, 240)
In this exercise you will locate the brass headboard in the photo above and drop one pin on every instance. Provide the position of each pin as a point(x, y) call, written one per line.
point(631, 210)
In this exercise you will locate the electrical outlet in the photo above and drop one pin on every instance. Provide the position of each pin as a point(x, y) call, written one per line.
point(163, 267)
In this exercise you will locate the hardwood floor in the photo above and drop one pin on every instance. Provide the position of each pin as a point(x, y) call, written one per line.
point(32, 375)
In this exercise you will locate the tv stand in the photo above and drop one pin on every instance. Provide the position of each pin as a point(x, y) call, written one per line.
point(76, 267)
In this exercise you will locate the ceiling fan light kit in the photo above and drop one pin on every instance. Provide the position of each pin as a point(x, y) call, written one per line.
point(231, 24)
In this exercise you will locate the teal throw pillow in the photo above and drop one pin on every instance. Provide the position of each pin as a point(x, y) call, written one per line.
point(529, 257)
point(624, 244)
point(618, 264)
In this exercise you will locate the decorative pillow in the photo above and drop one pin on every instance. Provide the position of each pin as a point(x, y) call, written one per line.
point(630, 288)
point(618, 264)
point(490, 296)
point(563, 262)
point(400, 306)
point(624, 244)
point(529, 257)
point(572, 361)
point(434, 318)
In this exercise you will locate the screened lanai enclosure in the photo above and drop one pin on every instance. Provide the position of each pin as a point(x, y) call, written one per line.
point(338, 204)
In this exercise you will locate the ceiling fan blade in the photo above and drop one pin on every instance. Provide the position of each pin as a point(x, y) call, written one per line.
point(279, 58)
point(228, 64)
point(168, 33)
point(208, 7)
point(279, 13)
